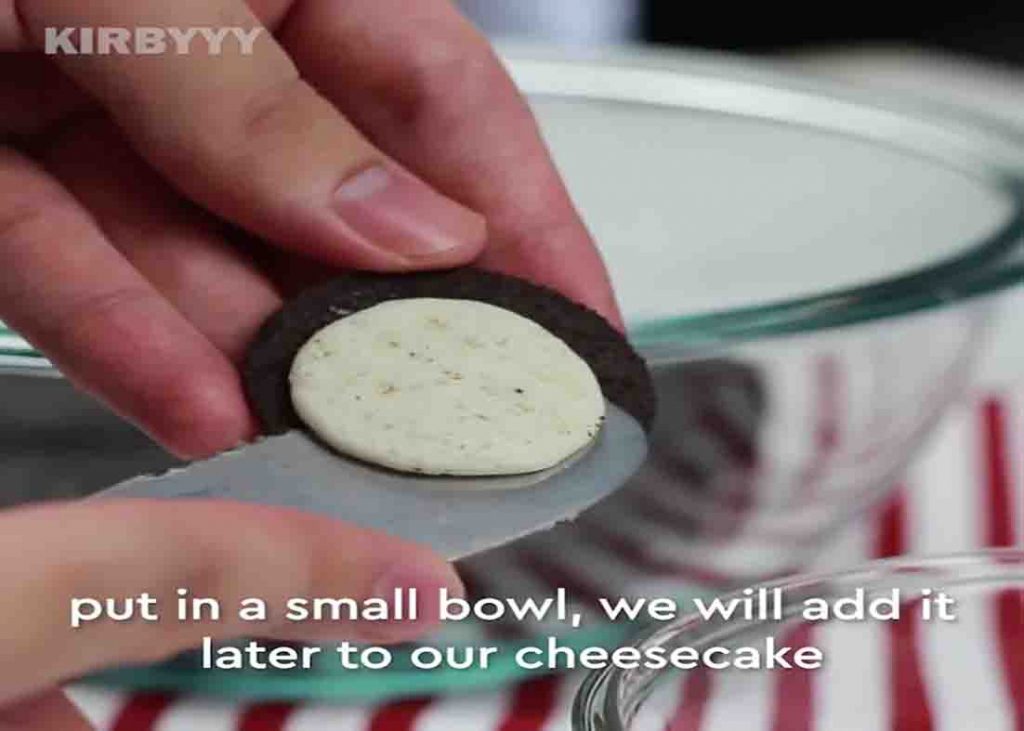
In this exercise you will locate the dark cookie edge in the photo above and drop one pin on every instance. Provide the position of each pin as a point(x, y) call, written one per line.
point(620, 371)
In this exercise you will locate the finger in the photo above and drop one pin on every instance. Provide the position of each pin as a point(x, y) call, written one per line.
point(244, 135)
point(429, 89)
point(68, 291)
point(49, 711)
point(221, 550)
point(12, 36)
point(176, 246)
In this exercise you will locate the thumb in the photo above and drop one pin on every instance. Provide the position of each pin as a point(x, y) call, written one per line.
point(121, 549)
point(51, 711)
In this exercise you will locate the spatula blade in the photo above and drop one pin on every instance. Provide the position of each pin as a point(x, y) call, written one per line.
point(456, 516)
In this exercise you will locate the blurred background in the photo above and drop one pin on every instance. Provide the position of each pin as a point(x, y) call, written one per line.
point(991, 30)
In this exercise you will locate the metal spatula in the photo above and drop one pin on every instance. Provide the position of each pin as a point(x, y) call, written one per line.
point(456, 516)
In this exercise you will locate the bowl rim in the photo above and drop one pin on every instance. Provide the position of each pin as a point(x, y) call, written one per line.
point(598, 705)
point(951, 136)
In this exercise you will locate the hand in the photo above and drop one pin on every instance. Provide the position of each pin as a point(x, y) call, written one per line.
point(127, 182)
point(225, 550)
point(153, 212)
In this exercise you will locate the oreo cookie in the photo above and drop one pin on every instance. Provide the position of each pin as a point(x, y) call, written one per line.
point(620, 371)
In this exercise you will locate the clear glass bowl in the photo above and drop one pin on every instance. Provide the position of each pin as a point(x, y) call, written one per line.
point(809, 272)
point(874, 672)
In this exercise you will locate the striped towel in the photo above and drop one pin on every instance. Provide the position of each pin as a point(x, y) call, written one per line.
point(965, 492)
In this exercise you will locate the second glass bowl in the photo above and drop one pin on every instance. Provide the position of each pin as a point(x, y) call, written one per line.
point(900, 674)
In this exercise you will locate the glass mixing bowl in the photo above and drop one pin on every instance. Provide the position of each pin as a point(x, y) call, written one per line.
point(804, 269)
point(874, 673)
point(808, 270)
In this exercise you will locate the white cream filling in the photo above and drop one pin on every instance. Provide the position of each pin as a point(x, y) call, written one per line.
point(441, 386)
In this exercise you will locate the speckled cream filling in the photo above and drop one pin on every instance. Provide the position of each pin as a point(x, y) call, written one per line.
point(444, 386)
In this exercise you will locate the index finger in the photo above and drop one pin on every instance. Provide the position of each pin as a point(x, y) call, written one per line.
point(430, 90)
point(221, 110)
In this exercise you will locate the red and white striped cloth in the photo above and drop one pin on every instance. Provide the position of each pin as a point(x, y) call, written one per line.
point(965, 492)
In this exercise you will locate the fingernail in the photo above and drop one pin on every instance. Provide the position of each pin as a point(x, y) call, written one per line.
point(427, 578)
point(396, 211)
